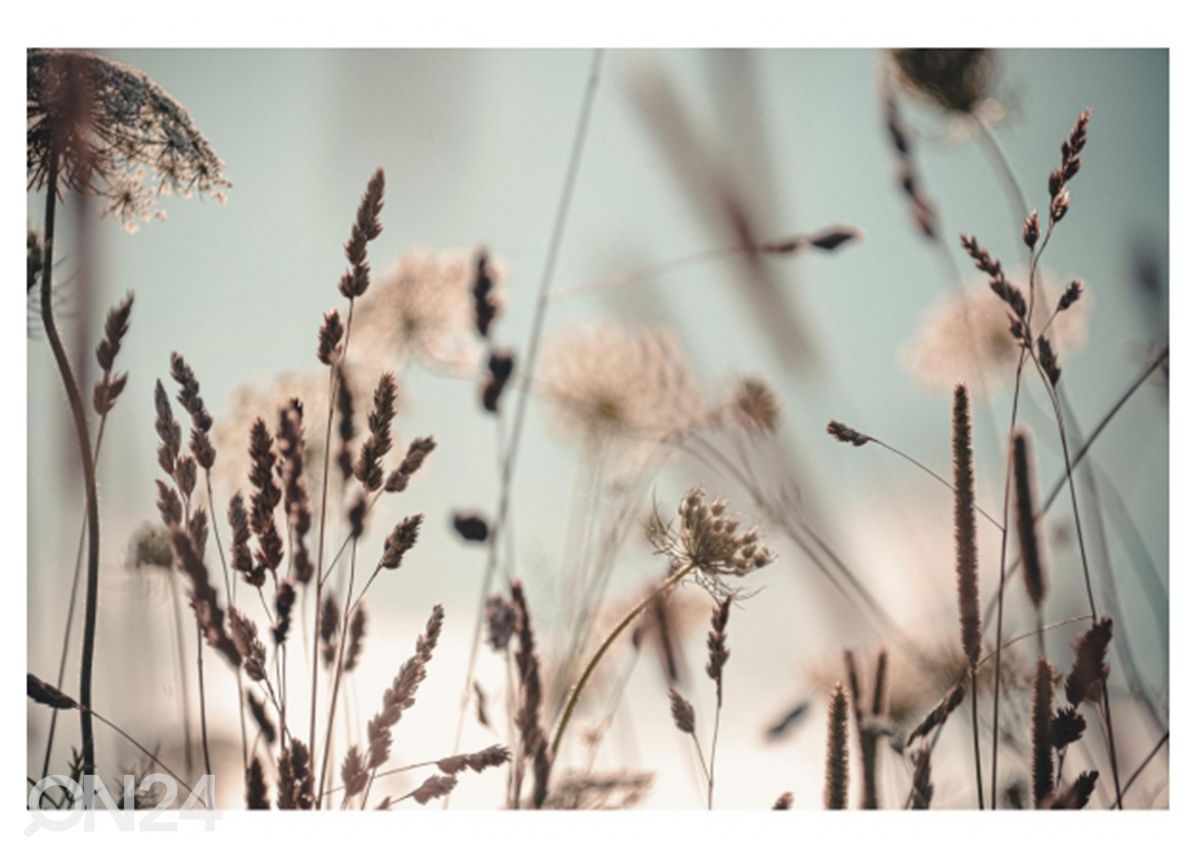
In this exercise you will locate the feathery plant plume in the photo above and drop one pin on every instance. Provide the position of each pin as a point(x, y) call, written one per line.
point(358, 635)
point(1090, 670)
point(1026, 504)
point(290, 443)
point(966, 547)
point(113, 133)
point(528, 719)
point(718, 650)
point(209, 615)
point(939, 714)
point(369, 467)
point(244, 633)
point(258, 712)
point(1043, 755)
point(682, 712)
point(492, 756)
point(110, 386)
point(329, 338)
point(189, 397)
point(256, 786)
point(418, 450)
point(837, 755)
point(366, 228)
point(265, 498)
point(285, 598)
point(1077, 794)
point(241, 558)
point(754, 406)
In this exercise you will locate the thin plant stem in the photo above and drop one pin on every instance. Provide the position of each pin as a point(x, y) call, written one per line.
point(79, 417)
point(712, 756)
point(975, 735)
point(508, 467)
point(71, 603)
point(633, 614)
point(186, 702)
point(932, 474)
point(145, 751)
point(337, 672)
point(1007, 176)
point(216, 530)
point(203, 708)
point(1162, 741)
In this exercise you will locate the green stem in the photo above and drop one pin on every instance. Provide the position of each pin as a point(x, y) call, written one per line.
point(633, 614)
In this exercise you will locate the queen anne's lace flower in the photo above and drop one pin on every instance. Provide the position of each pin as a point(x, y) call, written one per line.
point(961, 330)
point(605, 380)
point(422, 307)
point(117, 134)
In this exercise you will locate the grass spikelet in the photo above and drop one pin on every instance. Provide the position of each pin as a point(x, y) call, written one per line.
point(492, 756)
point(358, 635)
point(366, 228)
point(837, 755)
point(922, 784)
point(209, 614)
point(718, 650)
point(682, 712)
point(256, 786)
point(369, 467)
point(258, 712)
point(1090, 670)
point(1076, 795)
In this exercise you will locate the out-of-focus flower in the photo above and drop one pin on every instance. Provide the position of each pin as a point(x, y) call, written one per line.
point(956, 79)
point(117, 134)
point(754, 406)
point(605, 381)
point(961, 330)
point(422, 307)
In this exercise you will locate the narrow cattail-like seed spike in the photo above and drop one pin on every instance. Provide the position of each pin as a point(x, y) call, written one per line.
point(966, 548)
point(1026, 503)
point(837, 755)
point(1042, 769)
point(718, 650)
point(256, 786)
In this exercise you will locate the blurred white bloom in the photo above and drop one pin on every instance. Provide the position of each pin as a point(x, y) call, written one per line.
point(606, 381)
point(421, 307)
point(959, 330)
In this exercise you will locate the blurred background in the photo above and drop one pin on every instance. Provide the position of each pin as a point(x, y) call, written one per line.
point(475, 145)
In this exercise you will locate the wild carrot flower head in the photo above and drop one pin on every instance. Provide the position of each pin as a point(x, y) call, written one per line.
point(962, 331)
point(117, 135)
point(708, 540)
point(422, 308)
point(605, 380)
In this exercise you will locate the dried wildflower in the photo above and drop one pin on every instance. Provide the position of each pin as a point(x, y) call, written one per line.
point(358, 634)
point(500, 365)
point(1048, 361)
point(1077, 794)
point(285, 598)
point(472, 527)
point(295, 777)
point(708, 542)
point(169, 505)
point(922, 786)
point(434, 787)
point(118, 135)
point(170, 436)
point(1026, 508)
point(1069, 165)
point(422, 308)
point(492, 756)
point(418, 450)
point(329, 338)
point(1090, 668)
point(290, 443)
point(258, 712)
point(189, 397)
point(401, 695)
point(354, 772)
point(43, 693)
point(846, 434)
point(327, 629)
point(1070, 295)
point(209, 614)
point(607, 381)
point(955, 79)
point(369, 467)
point(366, 228)
point(244, 633)
point(754, 406)
point(682, 712)
point(240, 557)
point(718, 650)
point(256, 786)
point(968, 334)
point(402, 538)
point(1031, 230)
point(1066, 727)
point(265, 499)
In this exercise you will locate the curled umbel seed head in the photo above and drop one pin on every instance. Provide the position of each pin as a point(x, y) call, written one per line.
point(708, 539)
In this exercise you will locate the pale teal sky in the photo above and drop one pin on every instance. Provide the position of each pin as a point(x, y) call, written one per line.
point(474, 145)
